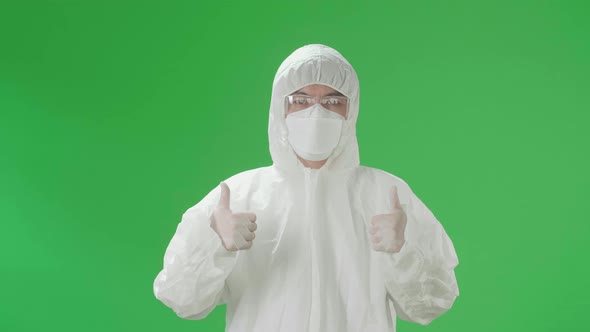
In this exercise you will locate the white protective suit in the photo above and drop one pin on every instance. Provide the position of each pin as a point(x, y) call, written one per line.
point(311, 266)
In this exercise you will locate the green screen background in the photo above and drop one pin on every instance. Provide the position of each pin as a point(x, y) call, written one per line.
point(117, 116)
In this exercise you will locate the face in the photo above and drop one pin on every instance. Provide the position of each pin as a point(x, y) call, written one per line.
point(310, 94)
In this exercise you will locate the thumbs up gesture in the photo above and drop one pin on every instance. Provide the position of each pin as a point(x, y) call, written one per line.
point(236, 230)
point(387, 230)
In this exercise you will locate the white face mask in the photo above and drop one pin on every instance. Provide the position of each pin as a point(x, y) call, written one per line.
point(314, 132)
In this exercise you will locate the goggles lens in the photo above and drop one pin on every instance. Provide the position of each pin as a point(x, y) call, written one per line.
point(337, 104)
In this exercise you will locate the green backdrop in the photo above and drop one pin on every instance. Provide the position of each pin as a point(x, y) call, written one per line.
point(117, 116)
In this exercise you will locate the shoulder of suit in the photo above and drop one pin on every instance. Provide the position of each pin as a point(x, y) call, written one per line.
point(381, 176)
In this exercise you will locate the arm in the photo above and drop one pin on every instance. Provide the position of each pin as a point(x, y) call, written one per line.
point(196, 265)
point(420, 278)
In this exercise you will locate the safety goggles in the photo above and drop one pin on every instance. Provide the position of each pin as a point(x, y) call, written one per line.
point(297, 102)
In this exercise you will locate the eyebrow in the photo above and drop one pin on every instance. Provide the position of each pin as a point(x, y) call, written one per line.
point(335, 93)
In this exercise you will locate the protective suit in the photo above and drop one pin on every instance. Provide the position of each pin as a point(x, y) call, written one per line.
point(311, 266)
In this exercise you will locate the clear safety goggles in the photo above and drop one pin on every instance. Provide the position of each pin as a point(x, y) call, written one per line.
point(336, 104)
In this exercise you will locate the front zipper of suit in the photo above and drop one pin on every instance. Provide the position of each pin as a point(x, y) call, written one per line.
point(311, 176)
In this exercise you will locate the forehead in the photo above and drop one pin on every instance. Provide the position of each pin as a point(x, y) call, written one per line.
point(318, 90)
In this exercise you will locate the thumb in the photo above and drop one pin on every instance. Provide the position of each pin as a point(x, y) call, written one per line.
point(224, 197)
point(395, 198)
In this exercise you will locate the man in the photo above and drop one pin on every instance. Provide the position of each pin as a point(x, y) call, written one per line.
point(314, 242)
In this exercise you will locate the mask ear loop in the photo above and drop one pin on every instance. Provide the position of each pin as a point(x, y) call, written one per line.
point(283, 131)
point(347, 108)
point(285, 106)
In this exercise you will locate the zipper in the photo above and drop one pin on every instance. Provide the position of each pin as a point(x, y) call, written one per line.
point(310, 193)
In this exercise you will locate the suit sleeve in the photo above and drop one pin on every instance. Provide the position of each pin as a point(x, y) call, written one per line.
point(420, 279)
point(196, 265)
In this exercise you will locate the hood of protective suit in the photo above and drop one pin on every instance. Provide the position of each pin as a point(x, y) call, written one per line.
point(313, 64)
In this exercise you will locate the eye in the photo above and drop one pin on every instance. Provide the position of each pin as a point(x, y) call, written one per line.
point(300, 100)
point(331, 101)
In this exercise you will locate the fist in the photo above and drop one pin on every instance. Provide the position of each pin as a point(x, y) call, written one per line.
point(236, 230)
point(387, 230)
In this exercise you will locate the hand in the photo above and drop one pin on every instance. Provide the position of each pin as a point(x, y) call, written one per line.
point(236, 230)
point(387, 230)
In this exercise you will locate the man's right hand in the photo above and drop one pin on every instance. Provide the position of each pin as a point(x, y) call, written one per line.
point(236, 230)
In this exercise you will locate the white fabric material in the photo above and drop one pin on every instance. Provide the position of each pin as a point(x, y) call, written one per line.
point(311, 266)
point(314, 132)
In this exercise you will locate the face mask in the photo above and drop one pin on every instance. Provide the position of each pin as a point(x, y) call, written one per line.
point(314, 132)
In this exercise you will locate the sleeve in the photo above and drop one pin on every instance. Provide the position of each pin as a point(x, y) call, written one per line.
point(420, 278)
point(196, 265)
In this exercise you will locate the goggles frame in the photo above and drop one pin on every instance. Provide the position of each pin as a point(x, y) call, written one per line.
point(300, 102)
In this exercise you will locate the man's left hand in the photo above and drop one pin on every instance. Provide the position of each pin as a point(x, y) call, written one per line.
point(387, 230)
